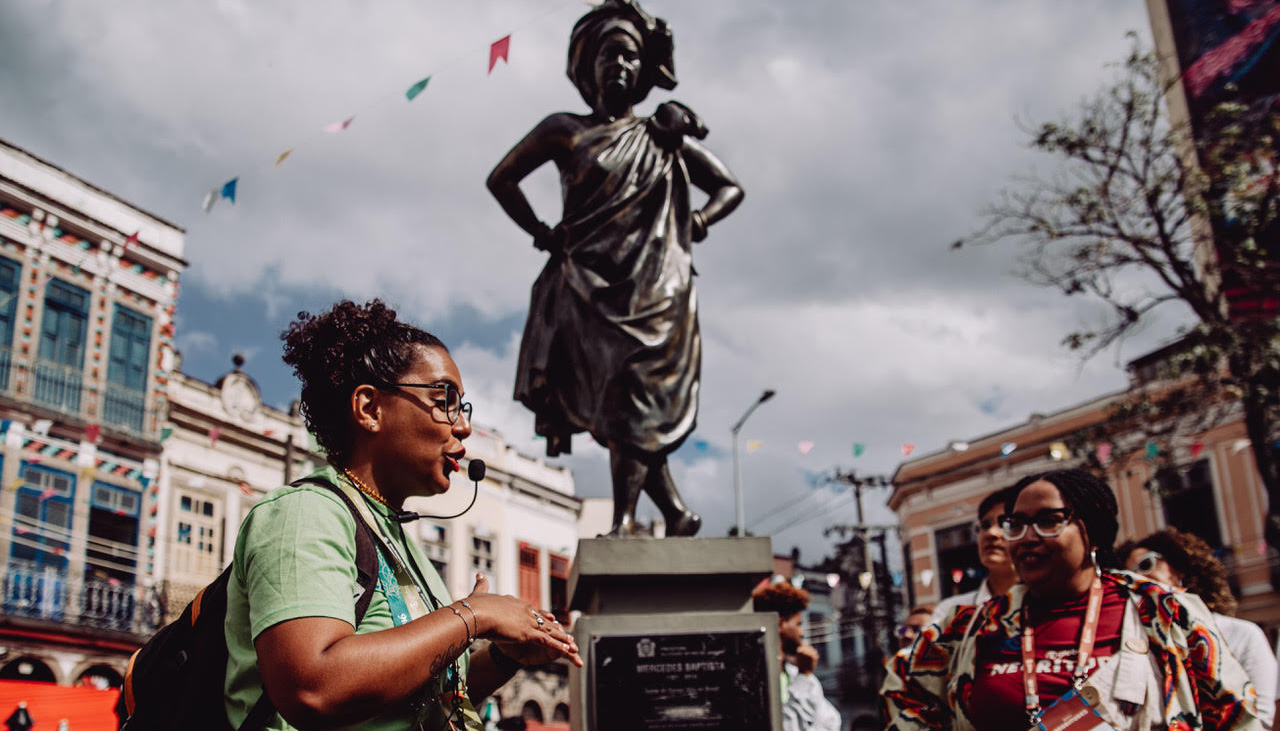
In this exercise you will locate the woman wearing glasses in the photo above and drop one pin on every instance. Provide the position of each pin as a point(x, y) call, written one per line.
point(1075, 639)
point(1183, 559)
point(384, 400)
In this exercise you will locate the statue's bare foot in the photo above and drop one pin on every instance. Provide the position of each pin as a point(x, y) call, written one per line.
point(686, 525)
point(625, 530)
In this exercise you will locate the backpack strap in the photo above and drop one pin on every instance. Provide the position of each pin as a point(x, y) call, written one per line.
point(366, 577)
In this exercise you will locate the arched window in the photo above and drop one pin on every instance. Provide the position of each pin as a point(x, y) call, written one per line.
point(531, 711)
point(561, 714)
point(101, 677)
point(29, 669)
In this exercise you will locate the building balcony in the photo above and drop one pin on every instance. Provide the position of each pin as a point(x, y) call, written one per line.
point(64, 390)
point(50, 593)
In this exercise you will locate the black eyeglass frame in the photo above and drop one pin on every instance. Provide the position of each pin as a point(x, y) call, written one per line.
point(1010, 522)
point(464, 407)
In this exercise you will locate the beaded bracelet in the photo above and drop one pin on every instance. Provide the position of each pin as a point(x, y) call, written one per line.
point(470, 639)
point(474, 619)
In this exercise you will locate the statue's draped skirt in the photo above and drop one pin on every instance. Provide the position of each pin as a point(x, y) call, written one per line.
point(611, 345)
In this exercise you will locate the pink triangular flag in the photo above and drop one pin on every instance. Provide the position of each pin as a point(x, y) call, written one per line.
point(805, 447)
point(214, 434)
point(907, 449)
point(338, 126)
point(1104, 452)
point(499, 50)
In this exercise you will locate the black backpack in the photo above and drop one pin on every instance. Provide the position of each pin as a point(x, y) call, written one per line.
point(175, 681)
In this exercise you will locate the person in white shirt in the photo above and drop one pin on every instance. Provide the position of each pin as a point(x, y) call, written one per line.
point(1173, 557)
point(804, 707)
point(993, 554)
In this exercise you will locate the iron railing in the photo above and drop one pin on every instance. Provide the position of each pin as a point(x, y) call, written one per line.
point(124, 408)
point(46, 592)
point(62, 389)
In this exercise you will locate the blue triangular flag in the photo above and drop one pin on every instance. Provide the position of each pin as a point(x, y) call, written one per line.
point(701, 445)
point(229, 189)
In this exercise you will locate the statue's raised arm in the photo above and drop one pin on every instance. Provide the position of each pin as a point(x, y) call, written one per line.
point(611, 345)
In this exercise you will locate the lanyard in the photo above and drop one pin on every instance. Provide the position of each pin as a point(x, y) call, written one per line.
point(1088, 632)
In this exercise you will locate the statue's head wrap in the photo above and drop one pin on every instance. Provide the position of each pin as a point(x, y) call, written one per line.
point(657, 66)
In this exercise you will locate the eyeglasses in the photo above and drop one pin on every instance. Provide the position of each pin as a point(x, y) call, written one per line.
point(984, 525)
point(907, 630)
point(1048, 523)
point(1147, 563)
point(452, 403)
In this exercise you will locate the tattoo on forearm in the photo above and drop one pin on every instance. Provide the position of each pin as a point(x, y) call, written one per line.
point(442, 661)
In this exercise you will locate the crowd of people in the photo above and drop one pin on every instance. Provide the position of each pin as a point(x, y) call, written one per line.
point(1071, 631)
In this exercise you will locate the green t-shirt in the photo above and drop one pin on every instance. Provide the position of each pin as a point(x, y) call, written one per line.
point(296, 557)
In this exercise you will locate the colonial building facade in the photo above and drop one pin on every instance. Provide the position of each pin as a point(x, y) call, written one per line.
point(1204, 482)
point(88, 284)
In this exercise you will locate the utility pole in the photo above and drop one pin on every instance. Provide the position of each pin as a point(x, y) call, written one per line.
point(871, 618)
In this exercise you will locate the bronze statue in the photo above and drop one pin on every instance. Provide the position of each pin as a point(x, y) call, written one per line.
point(611, 345)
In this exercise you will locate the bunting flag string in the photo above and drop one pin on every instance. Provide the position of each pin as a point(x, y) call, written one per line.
point(499, 50)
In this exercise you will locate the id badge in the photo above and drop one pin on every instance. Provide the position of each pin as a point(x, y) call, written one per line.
point(1071, 713)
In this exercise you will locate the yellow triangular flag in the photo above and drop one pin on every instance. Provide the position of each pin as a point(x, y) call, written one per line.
point(753, 445)
point(17, 482)
point(283, 156)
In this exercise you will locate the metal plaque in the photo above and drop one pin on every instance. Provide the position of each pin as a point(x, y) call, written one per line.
point(680, 682)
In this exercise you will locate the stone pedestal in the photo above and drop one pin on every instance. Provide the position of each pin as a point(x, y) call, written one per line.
point(669, 639)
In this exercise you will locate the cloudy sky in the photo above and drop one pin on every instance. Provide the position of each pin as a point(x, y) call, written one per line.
point(867, 135)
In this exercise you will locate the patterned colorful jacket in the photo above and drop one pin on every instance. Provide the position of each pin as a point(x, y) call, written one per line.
point(1170, 652)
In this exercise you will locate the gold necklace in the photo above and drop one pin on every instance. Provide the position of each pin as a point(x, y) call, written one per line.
point(364, 488)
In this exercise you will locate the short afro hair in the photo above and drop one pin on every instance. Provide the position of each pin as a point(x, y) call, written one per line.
point(1091, 500)
point(1202, 573)
point(336, 351)
point(780, 597)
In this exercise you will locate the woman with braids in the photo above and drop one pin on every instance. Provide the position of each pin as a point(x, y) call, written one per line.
point(1183, 559)
point(384, 400)
point(1078, 644)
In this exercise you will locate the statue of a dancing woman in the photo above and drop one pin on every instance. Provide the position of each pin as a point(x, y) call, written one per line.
point(611, 346)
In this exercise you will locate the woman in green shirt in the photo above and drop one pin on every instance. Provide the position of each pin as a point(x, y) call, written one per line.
point(384, 400)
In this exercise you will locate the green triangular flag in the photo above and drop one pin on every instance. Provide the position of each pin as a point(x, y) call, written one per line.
point(416, 89)
point(858, 449)
point(165, 433)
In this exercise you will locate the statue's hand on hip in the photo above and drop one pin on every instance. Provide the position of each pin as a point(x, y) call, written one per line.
point(551, 240)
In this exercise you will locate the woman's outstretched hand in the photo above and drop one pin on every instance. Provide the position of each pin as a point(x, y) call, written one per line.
point(529, 636)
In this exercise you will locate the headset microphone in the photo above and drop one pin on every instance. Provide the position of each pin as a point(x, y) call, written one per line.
point(475, 473)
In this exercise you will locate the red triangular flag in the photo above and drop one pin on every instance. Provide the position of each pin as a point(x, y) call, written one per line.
point(244, 487)
point(132, 240)
point(907, 449)
point(499, 50)
point(92, 432)
point(1196, 449)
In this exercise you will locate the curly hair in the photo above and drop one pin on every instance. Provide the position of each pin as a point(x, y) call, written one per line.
point(1090, 499)
point(1192, 559)
point(334, 352)
point(780, 597)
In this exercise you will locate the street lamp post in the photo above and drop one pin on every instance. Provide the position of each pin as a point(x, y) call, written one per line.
point(737, 473)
